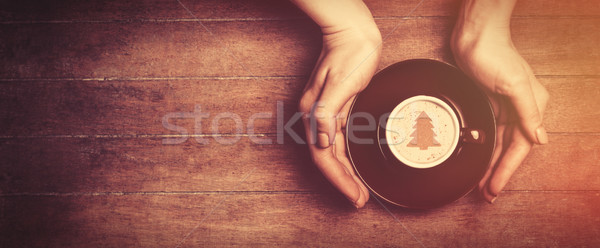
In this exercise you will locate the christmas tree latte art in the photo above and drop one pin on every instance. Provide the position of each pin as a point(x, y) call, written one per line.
point(422, 131)
point(423, 136)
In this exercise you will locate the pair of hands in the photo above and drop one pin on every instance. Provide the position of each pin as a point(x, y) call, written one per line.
point(349, 58)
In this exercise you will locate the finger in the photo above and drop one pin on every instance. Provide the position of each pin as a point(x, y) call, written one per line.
point(487, 185)
point(339, 149)
point(334, 171)
point(341, 152)
point(334, 96)
point(483, 184)
point(500, 110)
point(524, 101)
point(341, 155)
point(505, 138)
point(514, 155)
point(541, 95)
point(510, 122)
point(308, 99)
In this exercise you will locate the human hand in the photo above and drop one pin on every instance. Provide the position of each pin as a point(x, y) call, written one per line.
point(484, 50)
point(348, 59)
point(347, 62)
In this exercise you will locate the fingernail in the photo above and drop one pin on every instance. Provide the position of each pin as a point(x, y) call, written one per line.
point(488, 192)
point(353, 202)
point(323, 140)
point(542, 136)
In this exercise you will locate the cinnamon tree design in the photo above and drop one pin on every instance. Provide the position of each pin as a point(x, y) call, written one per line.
point(423, 136)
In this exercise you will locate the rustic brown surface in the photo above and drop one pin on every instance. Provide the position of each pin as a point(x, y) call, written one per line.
point(297, 219)
point(85, 85)
point(145, 165)
point(186, 49)
point(138, 107)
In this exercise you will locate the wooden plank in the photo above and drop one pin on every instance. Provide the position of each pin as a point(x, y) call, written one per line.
point(140, 107)
point(571, 97)
point(545, 48)
point(63, 165)
point(104, 221)
point(110, 10)
point(138, 165)
point(269, 48)
point(259, 219)
point(149, 10)
point(558, 8)
point(75, 10)
point(514, 220)
point(535, 38)
point(569, 162)
point(158, 49)
point(523, 8)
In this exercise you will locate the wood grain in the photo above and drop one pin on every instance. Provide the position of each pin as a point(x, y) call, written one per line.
point(523, 8)
point(568, 97)
point(262, 48)
point(66, 165)
point(262, 219)
point(140, 107)
point(157, 49)
point(84, 87)
point(124, 107)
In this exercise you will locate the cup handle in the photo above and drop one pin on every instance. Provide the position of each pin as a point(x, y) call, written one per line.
point(472, 135)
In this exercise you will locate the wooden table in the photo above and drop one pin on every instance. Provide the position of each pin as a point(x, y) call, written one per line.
point(85, 88)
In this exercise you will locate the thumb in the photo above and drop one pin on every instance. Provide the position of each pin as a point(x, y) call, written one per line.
point(326, 111)
point(528, 113)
